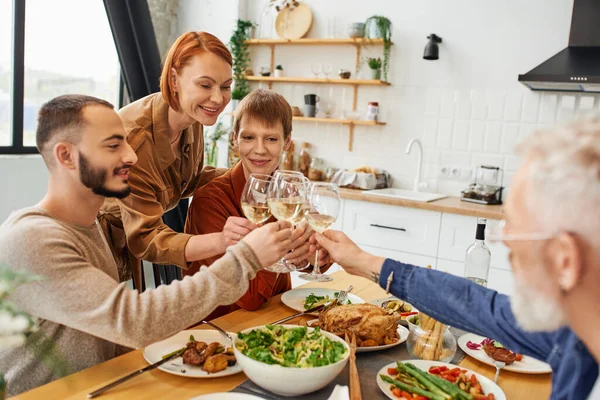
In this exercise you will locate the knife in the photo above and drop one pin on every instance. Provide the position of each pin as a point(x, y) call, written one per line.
point(314, 309)
point(135, 373)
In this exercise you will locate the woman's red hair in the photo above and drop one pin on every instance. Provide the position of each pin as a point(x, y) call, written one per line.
point(185, 47)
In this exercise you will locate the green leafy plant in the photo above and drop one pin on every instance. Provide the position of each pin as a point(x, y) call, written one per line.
point(374, 63)
point(20, 329)
point(279, 67)
point(384, 26)
point(241, 58)
point(210, 143)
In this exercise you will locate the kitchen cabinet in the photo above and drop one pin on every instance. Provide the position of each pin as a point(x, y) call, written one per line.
point(394, 228)
point(421, 237)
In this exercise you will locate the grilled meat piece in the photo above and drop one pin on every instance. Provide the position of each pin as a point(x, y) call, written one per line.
point(500, 353)
point(192, 357)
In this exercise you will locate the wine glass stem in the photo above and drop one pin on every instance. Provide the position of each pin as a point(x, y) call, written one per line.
point(316, 270)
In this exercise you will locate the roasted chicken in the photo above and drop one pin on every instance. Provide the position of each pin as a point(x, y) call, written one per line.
point(371, 325)
point(212, 357)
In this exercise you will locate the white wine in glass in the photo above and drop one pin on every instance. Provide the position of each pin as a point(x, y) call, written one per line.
point(324, 200)
point(319, 222)
point(285, 199)
point(254, 198)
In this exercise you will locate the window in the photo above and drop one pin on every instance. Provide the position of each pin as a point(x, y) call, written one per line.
point(69, 48)
point(5, 68)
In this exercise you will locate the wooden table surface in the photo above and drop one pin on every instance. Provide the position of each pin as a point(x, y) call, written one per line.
point(157, 384)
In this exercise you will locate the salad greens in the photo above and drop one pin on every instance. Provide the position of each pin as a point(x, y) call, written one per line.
point(293, 347)
point(313, 300)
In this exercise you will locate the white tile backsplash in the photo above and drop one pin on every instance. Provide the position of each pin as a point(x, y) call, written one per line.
point(493, 137)
point(548, 108)
point(510, 137)
point(448, 104)
point(496, 111)
point(477, 136)
point(513, 107)
point(444, 137)
point(460, 137)
point(531, 107)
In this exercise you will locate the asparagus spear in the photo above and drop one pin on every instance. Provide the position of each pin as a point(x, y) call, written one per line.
point(411, 389)
point(449, 387)
point(423, 378)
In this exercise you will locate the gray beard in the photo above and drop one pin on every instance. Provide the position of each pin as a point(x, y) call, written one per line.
point(534, 311)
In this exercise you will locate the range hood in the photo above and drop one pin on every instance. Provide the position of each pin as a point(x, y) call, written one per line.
point(576, 68)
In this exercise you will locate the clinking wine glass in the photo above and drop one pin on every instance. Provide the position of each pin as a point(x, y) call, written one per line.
point(298, 220)
point(324, 200)
point(285, 198)
point(254, 198)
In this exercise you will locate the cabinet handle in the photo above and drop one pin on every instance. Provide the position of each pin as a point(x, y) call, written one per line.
point(388, 227)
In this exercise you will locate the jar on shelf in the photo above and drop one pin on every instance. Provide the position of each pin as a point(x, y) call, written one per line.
point(429, 339)
point(315, 171)
point(372, 111)
point(304, 159)
point(287, 159)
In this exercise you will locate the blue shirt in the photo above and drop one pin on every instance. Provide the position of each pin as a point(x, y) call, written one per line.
point(465, 305)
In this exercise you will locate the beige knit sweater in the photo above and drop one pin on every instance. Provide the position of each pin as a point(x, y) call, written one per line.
point(85, 310)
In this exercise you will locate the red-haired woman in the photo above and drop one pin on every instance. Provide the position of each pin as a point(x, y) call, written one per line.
point(166, 132)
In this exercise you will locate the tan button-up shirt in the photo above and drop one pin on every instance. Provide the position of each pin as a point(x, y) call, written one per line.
point(159, 179)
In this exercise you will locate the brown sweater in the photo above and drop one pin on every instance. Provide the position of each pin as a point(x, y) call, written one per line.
point(211, 206)
point(82, 307)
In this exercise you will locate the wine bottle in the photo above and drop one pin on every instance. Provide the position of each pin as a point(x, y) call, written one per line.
point(477, 259)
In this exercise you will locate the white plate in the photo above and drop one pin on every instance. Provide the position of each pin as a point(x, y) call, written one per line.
point(155, 351)
point(227, 396)
point(379, 302)
point(402, 333)
point(487, 385)
point(295, 298)
point(528, 365)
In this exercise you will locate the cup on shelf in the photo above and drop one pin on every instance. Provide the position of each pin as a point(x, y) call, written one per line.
point(310, 110)
point(311, 99)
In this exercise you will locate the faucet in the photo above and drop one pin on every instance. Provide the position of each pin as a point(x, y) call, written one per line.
point(417, 185)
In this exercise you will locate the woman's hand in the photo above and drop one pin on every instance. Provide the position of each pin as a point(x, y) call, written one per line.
point(235, 229)
point(301, 244)
point(270, 242)
point(346, 253)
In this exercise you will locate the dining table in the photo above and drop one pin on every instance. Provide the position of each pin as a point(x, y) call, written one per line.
point(157, 384)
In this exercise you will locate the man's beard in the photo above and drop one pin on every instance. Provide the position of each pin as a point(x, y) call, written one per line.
point(95, 179)
point(534, 311)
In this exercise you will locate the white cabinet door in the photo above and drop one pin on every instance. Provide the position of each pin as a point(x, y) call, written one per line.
point(394, 228)
point(406, 258)
point(457, 233)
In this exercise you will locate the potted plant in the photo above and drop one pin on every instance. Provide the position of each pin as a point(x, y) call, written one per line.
point(375, 65)
point(378, 27)
point(211, 137)
point(278, 71)
point(19, 328)
point(241, 60)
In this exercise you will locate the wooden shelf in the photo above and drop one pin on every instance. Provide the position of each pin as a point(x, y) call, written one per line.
point(289, 79)
point(338, 121)
point(356, 42)
point(315, 41)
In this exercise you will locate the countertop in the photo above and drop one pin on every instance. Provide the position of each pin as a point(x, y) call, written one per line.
point(450, 204)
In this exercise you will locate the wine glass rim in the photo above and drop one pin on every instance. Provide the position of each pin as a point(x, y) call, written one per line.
point(260, 177)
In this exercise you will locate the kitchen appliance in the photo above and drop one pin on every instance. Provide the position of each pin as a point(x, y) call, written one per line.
point(487, 188)
point(576, 68)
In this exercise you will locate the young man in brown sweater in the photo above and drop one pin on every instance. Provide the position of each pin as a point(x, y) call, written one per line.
point(79, 302)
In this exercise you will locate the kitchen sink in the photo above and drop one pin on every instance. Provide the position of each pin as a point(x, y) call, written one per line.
point(406, 194)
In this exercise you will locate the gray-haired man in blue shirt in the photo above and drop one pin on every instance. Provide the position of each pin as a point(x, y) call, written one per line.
point(552, 229)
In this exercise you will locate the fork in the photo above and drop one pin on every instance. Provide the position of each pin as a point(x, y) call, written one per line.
point(343, 295)
point(221, 331)
point(499, 365)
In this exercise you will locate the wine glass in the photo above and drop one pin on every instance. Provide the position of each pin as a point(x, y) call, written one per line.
point(254, 198)
point(298, 220)
point(324, 200)
point(316, 69)
point(285, 197)
point(327, 69)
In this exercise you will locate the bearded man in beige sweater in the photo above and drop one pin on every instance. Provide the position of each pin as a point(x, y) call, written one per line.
point(79, 302)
